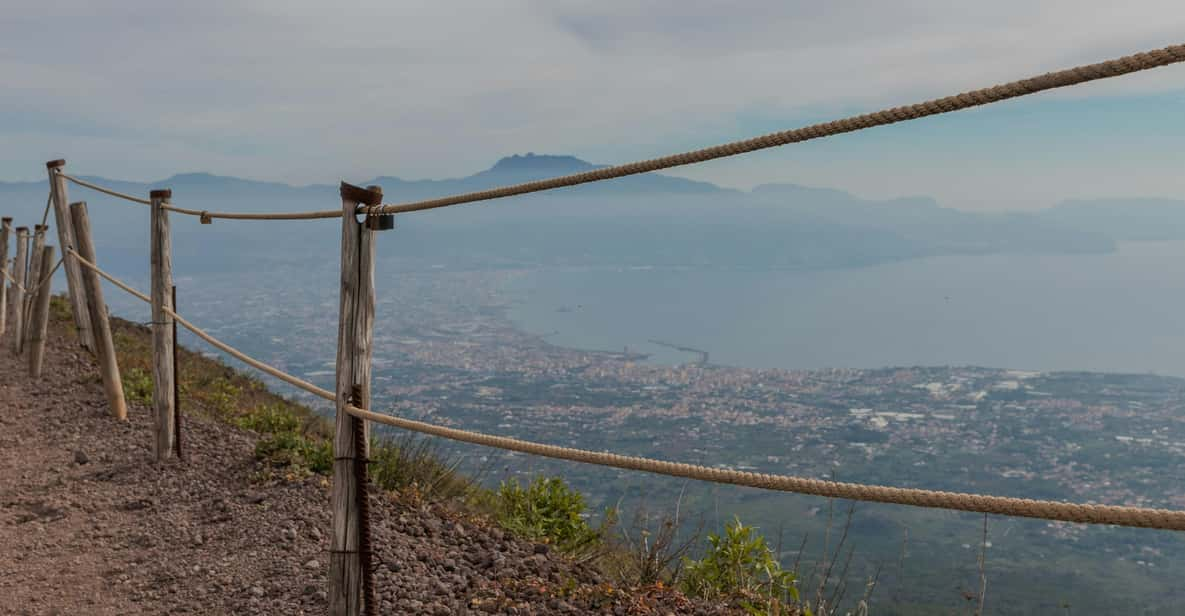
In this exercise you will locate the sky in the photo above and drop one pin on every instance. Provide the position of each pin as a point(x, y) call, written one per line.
point(308, 92)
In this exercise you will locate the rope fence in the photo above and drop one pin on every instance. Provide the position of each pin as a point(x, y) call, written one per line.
point(1043, 509)
point(38, 284)
point(349, 558)
point(204, 214)
point(200, 333)
point(104, 189)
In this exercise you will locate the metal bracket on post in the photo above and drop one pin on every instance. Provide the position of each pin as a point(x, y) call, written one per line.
point(378, 222)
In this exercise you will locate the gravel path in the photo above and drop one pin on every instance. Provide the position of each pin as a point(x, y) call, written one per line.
point(89, 525)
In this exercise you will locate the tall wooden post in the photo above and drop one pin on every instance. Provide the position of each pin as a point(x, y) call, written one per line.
point(5, 232)
point(58, 194)
point(39, 314)
point(104, 347)
point(16, 291)
point(355, 337)
point(162, 325)
point(32, 280)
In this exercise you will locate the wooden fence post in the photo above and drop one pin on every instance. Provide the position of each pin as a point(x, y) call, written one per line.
point(39, 315)
point(5, 231)
point(104, 347)
point(162, 324)
point(17, 292)
point(355, 337)
point(32, 280)
point(58, 194)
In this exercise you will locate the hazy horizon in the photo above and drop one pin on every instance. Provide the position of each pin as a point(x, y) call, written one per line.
point(272, 91)
point(465, 175)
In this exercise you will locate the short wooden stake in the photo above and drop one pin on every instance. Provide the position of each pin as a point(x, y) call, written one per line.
point(39, 315)
point(104, 346)
point(32, 281)
point(5, 232)
point(162, 325)
point(16, 290)
point(61, 212)
point(355, 337)
point(177, 434)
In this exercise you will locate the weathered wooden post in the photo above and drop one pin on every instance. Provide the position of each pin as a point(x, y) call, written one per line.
point(355, 335)
point(162, 325)
point(39, 315)
point(32, 281)
point(58, 194)
point(17, 290)
point(5, 231)
point(104, 347)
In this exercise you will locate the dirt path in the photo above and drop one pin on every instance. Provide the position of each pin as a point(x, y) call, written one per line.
point(89, 525)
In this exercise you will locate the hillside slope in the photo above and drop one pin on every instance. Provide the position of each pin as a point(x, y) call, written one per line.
point(89, 525)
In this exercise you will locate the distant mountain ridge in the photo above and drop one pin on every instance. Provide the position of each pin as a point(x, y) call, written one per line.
point(647, 219)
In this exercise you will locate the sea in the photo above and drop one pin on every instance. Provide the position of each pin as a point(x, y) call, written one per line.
point(1117, 312)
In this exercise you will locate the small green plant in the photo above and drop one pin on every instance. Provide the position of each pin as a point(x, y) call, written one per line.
point(59, 309)
point(295, 450)
point(417, 468)
point(652, 549)
point(221, 397)
point(137, 385)
point(740, 565)
point(546, 510)
point(269, 419)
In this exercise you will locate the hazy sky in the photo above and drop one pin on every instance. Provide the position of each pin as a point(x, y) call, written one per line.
point(303, 91)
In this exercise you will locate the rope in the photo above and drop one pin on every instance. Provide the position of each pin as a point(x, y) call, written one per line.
point(207, 214)
point(1048, 81)
point(14, 282)
point(200, 333)
point(47, 277)
point(48, 202)
point(112, 279)
point(979, 503)
point(102, 189)
point(1046, 510)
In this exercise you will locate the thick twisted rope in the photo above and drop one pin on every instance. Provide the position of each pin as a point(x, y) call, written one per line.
point(1022, 507)
point(974, 98)
point(1049, 81)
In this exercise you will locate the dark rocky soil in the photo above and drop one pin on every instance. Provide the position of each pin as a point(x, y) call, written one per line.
point(90, 525)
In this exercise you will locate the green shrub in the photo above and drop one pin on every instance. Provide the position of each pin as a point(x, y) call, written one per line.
point(740, 565)
point(59, 309)
point(221, 396)
point(293, 449)
point(137, 385)
point(547, 510)
point(269, 419)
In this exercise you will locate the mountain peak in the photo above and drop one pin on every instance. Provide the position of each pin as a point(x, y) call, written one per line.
point(553, 163)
